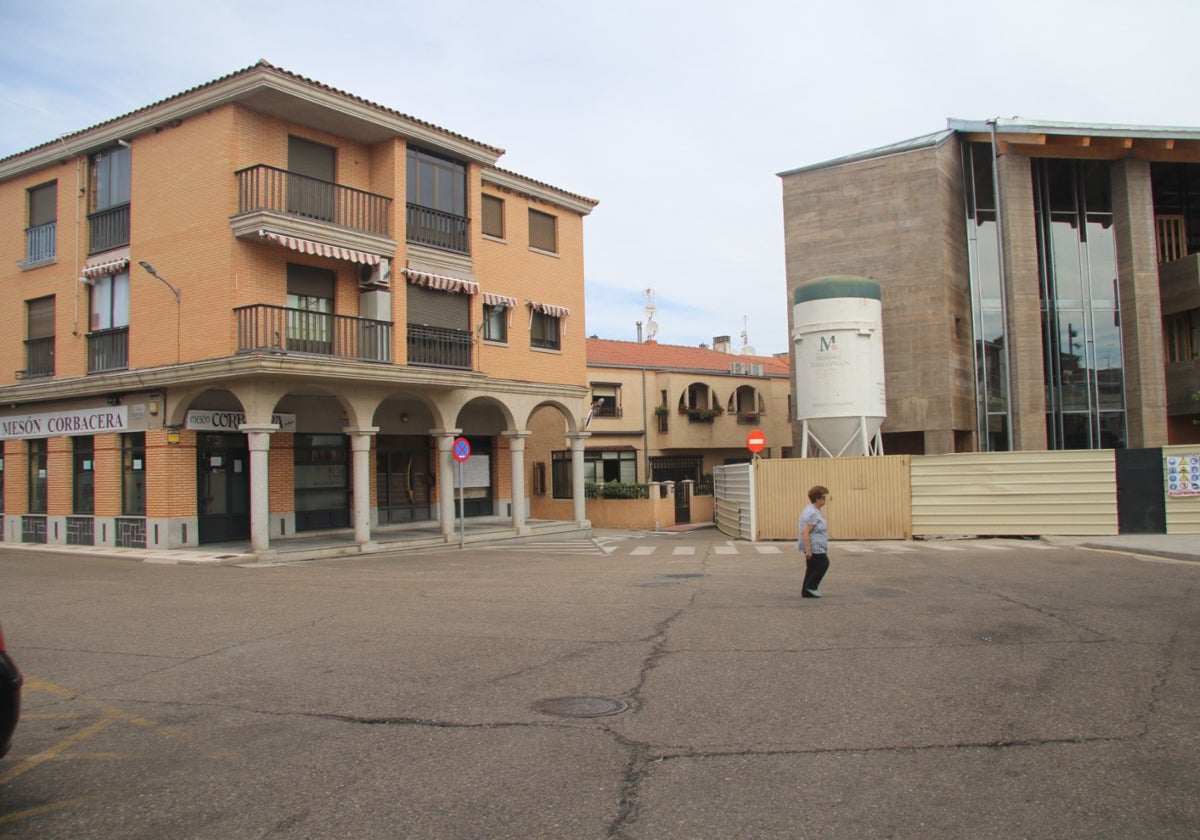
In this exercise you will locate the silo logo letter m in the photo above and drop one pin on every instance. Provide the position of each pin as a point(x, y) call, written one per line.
point(829, 343)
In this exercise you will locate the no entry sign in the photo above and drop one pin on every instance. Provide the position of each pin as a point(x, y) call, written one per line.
point(756, 441)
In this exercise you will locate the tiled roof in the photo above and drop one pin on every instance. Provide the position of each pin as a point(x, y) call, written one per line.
point(651, 354)
point(264, 66)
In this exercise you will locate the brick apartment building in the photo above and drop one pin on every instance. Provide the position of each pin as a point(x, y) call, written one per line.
point(1040, 281)
point(264, 307)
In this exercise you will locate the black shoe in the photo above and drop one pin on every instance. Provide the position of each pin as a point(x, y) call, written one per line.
point(811, 593)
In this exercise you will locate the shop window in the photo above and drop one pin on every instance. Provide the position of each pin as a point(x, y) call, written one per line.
point(37, 475)
point(322, 482)
point(133, 474)
point(83, 480)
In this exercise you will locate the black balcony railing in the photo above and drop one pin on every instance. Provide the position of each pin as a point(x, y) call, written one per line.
point(39, 357)
point(426, 226)
point(267, 188)
point(439, 347)
point(109, 228)
point(280, 329)
point(108, 350)
point(41, 243)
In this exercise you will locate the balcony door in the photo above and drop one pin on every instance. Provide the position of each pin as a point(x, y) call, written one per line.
point(312, 169)
point(310, 309)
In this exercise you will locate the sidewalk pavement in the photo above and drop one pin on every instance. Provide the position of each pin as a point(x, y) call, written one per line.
point(490, 530)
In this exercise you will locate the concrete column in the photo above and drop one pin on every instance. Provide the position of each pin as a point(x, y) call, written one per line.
point(258, 439)
point(516, 453)
point(1141, 306)
point(445, 476)
point(1022, 302)
point(578, 439)
point(360, 473)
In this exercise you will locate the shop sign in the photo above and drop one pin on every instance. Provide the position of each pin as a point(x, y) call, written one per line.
point(231, 421)
point(84, 421)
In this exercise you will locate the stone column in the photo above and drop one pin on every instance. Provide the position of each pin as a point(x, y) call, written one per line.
point(578, 439)
point(445, 478)
point(258, 439)
point(360, 474)
point(1141, 306)
point(516, 454)
point(1022, 302)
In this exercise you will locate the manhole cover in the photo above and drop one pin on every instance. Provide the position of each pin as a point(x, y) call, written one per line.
point(580, 706)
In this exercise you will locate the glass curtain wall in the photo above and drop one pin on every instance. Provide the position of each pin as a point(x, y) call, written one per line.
point(1081, 326)
point(987, 300)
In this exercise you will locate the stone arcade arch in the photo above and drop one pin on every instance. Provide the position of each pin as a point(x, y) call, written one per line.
point(248, 433)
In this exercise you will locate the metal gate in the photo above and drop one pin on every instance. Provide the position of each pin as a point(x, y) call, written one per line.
point(1141, 504)
point(683, 502)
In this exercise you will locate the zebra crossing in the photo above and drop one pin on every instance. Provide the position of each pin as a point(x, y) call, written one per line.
point(645, 545)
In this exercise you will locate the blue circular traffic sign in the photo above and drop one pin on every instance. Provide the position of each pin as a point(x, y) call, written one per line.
point(462, 449)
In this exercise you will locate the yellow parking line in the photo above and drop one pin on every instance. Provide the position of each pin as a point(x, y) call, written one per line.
point(45, 809)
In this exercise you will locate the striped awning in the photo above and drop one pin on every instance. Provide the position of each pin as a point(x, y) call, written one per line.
point(321, 249)
point(440, 282)
point(548, 309)
point(102, 268)
point(499, 300)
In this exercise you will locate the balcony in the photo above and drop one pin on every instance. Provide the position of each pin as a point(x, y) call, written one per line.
point(439, 347)
point(40, 245)
point(265, 188)
point(444, 231)
point(108, 229)
point(39, 358)
point(108, 350)
point(279, 329)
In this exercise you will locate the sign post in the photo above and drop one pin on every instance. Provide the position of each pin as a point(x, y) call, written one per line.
point(756, 441)
point(461, 452)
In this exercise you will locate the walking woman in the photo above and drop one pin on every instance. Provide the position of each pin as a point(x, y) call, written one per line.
point(814, 541)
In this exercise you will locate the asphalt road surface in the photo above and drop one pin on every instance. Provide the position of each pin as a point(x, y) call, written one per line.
point(629, 686)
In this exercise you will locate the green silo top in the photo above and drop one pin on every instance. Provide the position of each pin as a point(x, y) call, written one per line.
point(841, 286)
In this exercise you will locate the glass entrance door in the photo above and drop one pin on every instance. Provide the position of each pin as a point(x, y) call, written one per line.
point(223, 488)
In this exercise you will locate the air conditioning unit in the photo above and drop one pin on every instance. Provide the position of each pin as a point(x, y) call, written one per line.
point(378, 276)
point(737, 368)
point(754, 369)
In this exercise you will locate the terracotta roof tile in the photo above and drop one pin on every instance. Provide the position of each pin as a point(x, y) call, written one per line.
point(651, 354)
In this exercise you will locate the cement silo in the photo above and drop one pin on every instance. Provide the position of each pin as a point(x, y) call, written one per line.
point(837, 357)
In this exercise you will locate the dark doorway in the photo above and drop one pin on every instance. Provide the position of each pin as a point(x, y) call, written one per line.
point(222, 487)
point(402, 478)
point(683, 502)
point(678, 468)
point(1141, 500)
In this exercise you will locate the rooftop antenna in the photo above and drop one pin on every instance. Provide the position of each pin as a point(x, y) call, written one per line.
point(651, 310)
point(747, 350)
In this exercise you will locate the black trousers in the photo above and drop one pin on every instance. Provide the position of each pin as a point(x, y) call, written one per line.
point(815, 568)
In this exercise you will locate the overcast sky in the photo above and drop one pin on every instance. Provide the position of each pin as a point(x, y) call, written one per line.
point(676, 116)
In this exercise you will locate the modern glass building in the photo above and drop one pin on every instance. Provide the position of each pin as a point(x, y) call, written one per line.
point(1041, 281)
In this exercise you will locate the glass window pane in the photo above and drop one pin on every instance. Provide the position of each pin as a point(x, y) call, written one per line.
point(1102, 261)
point(1072, 362)
point(1107, 362)
point(1068, 275)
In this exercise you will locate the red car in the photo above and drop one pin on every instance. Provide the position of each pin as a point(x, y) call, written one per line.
point(10, 696)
